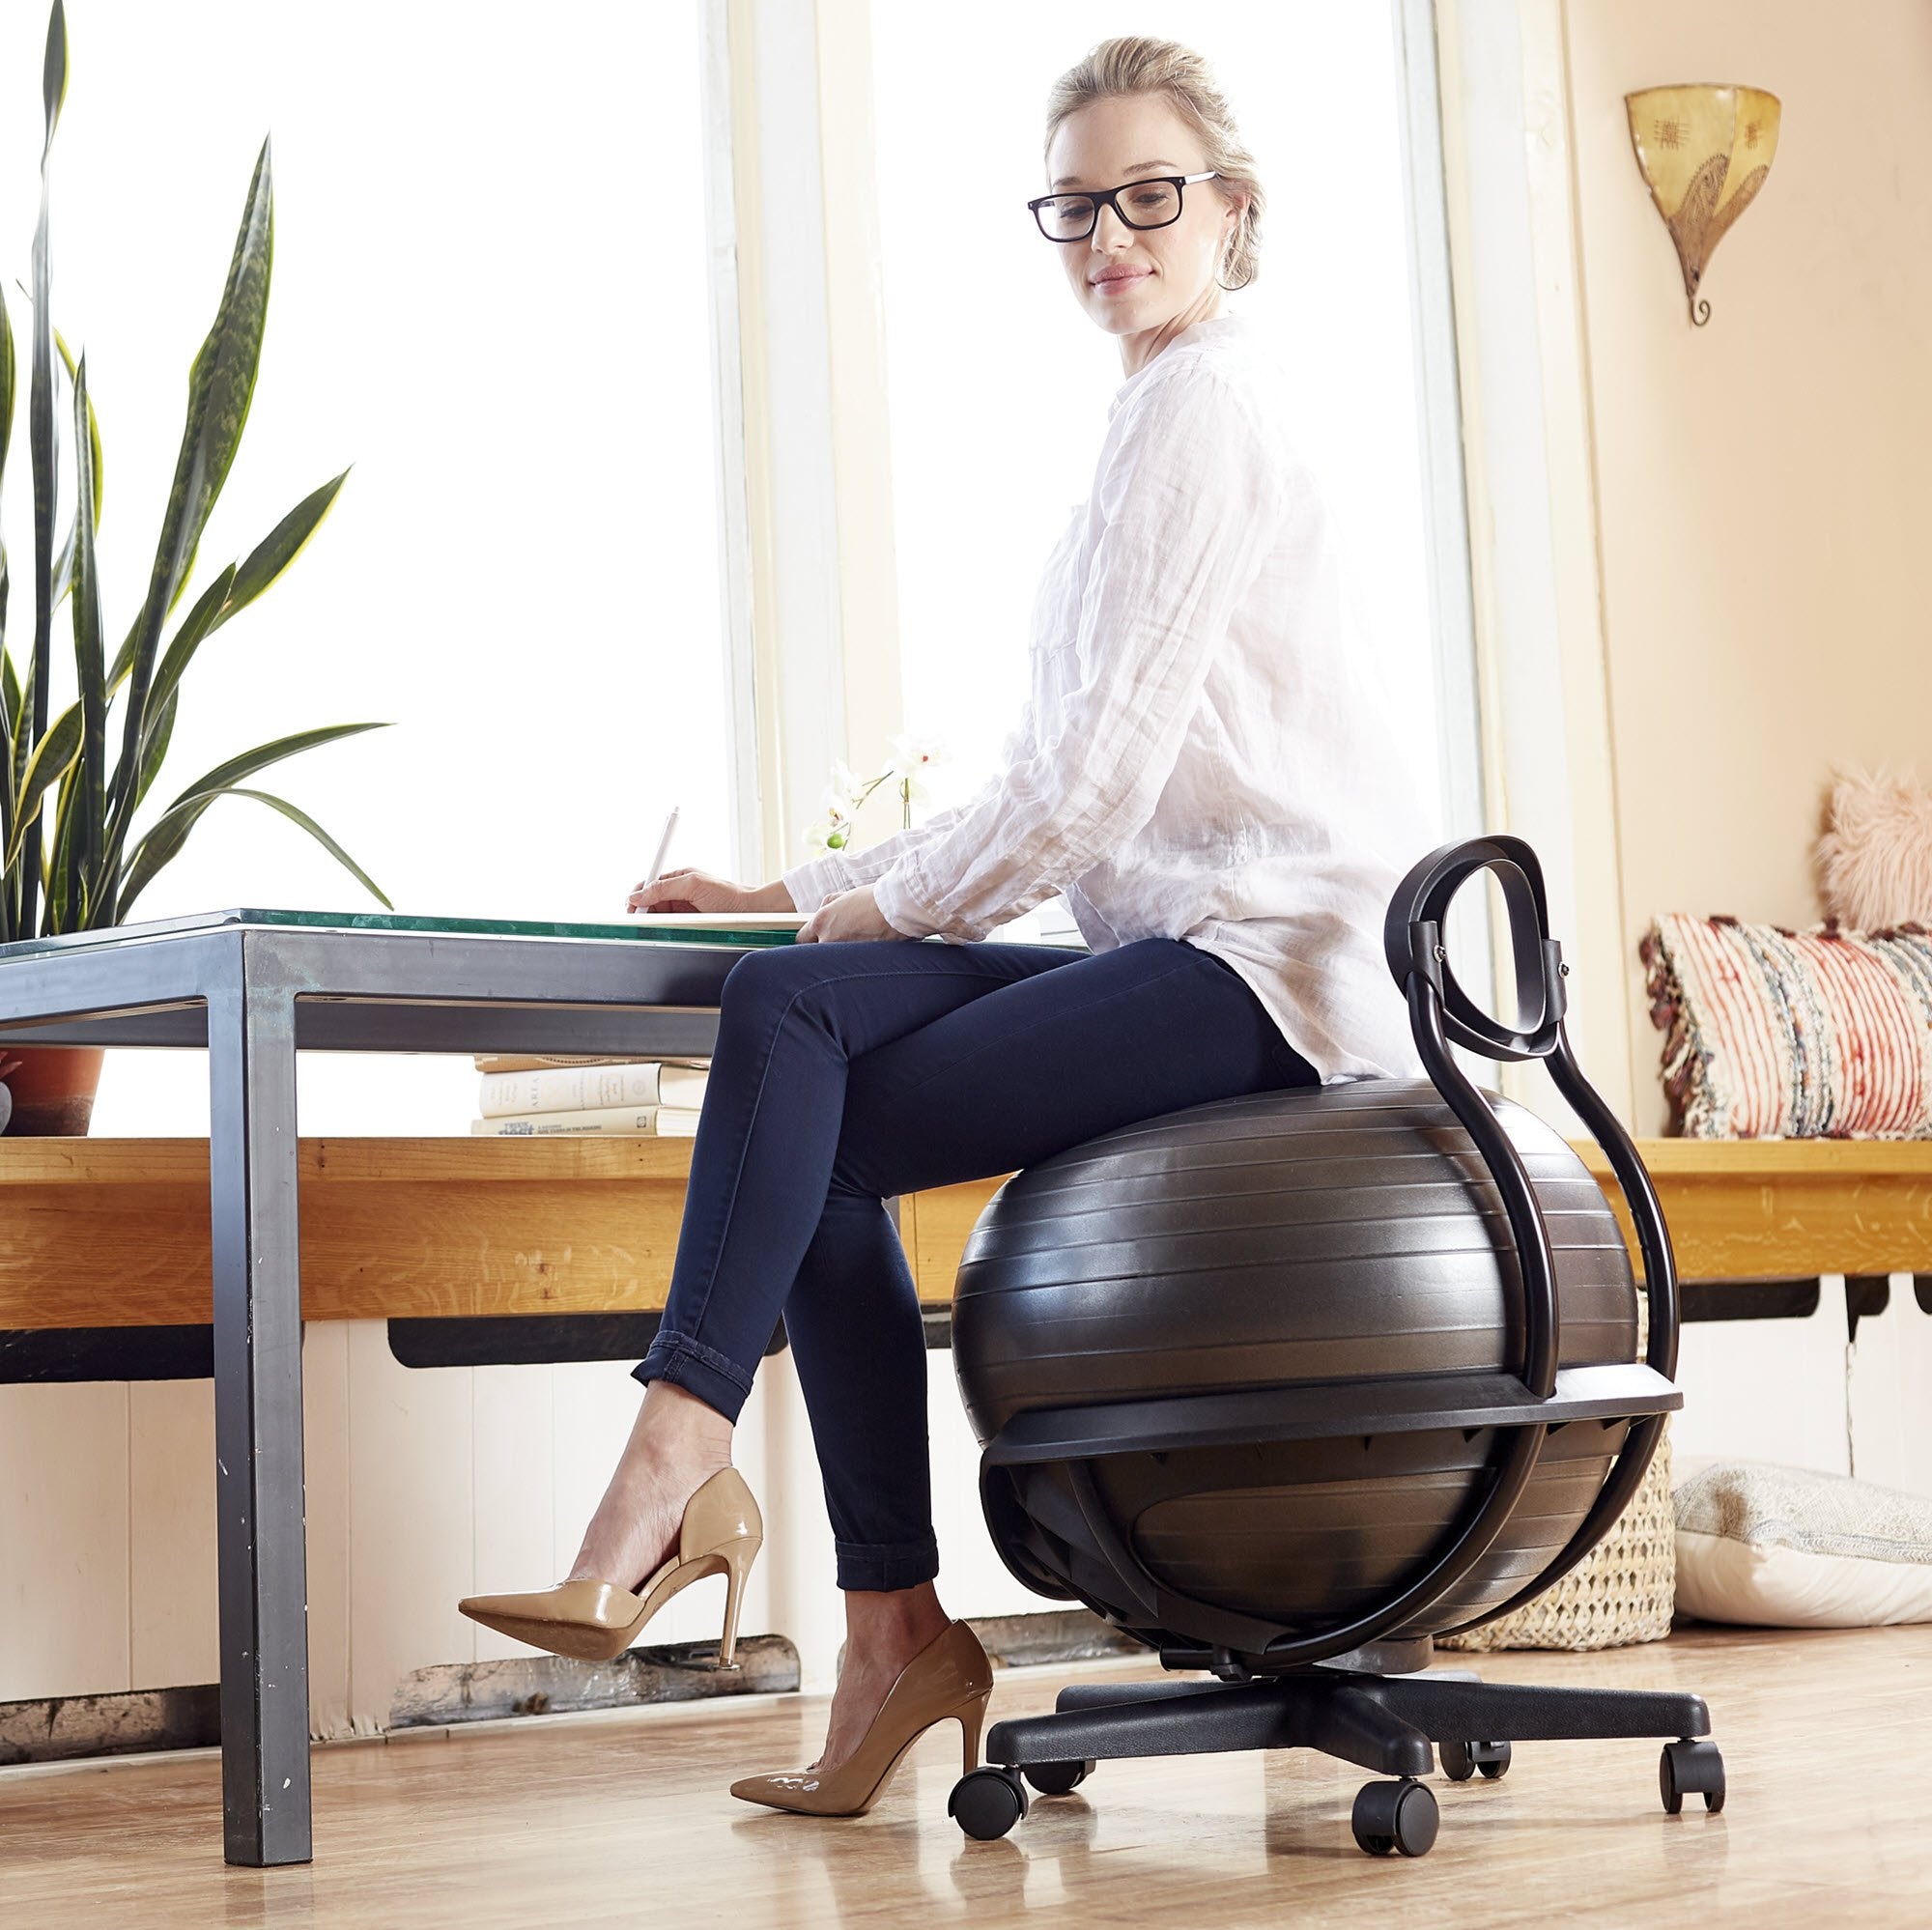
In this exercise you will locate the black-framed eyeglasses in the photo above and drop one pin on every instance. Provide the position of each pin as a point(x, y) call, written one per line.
point(1151, 202)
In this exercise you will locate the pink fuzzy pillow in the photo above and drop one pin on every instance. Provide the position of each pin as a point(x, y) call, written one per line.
point(1875, 857)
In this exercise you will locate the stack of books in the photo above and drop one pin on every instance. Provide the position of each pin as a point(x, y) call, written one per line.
point(535, 1094)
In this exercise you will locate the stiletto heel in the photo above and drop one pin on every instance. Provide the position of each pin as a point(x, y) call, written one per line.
point(597, 1621)
point(971, 1725)
point(738, 1559)
point(949, 1677)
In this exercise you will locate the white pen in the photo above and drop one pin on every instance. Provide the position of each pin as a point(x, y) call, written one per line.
point(664, 846)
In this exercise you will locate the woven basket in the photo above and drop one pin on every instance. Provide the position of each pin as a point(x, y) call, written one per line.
point(1621, 1591)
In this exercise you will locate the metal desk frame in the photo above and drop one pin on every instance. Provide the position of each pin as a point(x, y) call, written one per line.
point(254, 994)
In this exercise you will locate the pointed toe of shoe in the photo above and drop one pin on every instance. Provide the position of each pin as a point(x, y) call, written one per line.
point(485, 1607)
point(799, 1790)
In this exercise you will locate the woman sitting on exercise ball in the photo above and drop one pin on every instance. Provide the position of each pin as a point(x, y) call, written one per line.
point(1201, 768)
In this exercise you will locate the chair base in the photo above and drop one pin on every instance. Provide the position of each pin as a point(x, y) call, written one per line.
point(1389, 1724)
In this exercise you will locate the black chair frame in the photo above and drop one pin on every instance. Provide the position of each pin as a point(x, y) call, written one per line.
point(1350, 1690)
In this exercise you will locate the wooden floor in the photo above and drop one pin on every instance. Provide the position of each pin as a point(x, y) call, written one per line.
point(623, 1819)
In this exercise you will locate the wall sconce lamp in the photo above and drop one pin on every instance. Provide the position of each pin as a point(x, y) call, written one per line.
point(1704, 152)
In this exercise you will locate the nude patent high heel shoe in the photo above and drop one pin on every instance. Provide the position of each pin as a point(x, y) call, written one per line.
point(597, 1621)
point(949, 1677)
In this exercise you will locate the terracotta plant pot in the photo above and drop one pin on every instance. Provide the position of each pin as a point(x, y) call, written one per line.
point(52, 1088)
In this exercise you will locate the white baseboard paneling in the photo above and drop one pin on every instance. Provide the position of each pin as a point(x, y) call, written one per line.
point(411, 1527)
point(513, 1490)
point(64, 1564)
point(973, 1580)
point(170, 1481)
point(325, 1459)
point(1890, 1394)
point(1765, 1390)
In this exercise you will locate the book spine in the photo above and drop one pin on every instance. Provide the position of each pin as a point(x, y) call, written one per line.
point(569, 1088)
point(683, 1086)
point(660, 1121)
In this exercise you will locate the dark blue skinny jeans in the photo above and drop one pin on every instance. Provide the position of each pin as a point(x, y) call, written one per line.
point(848, 1073)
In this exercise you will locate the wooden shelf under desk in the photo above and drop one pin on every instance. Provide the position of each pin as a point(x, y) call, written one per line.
point(115, 1231)
point(1764, 1208)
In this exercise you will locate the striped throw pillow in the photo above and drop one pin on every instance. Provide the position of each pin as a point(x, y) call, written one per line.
point(1771, 1034)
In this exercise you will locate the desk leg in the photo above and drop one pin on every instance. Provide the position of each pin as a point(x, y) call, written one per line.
point(261, 1546)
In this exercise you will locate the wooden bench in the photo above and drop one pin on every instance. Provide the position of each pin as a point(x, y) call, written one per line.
point(115, 1231)
point(1747, 1209)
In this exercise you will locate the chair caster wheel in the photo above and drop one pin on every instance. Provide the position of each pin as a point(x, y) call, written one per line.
point(1057, 1778)
point(1687, 1766)
point(987, 1802)
point(1462, 1760)
point(1390, 1816)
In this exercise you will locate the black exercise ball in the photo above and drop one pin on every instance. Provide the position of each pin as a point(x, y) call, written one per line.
point(1243, 1372)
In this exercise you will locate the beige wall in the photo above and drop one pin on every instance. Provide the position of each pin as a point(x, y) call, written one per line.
point(1763, 483)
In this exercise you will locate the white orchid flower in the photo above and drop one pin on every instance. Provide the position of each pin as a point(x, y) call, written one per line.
point(912, 753)
point(916, 751)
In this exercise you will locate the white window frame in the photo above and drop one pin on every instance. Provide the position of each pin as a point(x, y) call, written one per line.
point(813, 664)
point(1465, 776)
point(1523, 370)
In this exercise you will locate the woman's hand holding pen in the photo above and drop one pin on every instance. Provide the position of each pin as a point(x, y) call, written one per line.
point(687, 888)
point(846, 914)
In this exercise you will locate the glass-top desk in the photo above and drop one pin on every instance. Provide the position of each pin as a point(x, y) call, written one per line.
point(392, 965)
point(253, 987)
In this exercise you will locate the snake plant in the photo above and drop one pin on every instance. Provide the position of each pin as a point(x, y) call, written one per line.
point(69, 794)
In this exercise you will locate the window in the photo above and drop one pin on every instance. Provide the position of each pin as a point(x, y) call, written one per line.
point(491, 298)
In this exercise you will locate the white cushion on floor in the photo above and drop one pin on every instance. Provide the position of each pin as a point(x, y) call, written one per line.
point(1786, 1547)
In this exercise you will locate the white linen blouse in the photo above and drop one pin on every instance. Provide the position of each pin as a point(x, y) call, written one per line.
point(1203, 754)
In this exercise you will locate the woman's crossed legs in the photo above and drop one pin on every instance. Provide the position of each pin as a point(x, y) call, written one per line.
point(845, 1074)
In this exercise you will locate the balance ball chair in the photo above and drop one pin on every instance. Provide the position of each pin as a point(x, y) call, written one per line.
point(1285, 1385)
